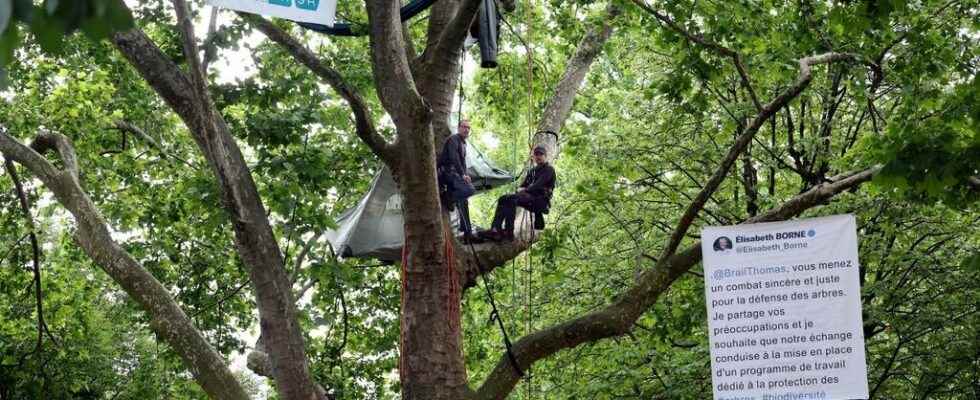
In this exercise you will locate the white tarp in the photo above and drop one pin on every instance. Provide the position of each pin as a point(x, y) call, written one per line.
point(374, 228)
point(315, 11)
point(784, 310)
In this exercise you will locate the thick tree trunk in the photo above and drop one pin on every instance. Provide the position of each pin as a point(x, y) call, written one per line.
point(418, 100)
point(431, 364)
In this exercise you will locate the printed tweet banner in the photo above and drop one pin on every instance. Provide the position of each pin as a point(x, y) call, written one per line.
point(784, 310)
point(315, 11)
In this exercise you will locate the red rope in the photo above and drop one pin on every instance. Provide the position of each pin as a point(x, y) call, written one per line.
point(452, 303)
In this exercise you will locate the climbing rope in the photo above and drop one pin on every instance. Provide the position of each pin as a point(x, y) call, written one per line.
point(495, 315)
point(529, 322)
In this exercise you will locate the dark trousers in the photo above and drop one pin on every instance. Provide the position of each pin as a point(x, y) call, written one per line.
point(503, 218)
point(463, 211)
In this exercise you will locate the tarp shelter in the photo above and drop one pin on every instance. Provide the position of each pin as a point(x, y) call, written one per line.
point(373, 228)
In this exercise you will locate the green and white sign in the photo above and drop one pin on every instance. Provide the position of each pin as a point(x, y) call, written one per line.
point(315, 11)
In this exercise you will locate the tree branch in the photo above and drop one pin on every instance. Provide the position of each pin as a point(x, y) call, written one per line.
point(59, 144)
point(449, 39)
point(167, 319)
point(742, 142)
point(618, 318)
point(211, 41)
point(559, 106)
point(140, 133)
point(258, 361)
point(699, 39)
point(197, 74)
point(301, 257)
point(362, 115)
point(392, 73)
point(42, 327)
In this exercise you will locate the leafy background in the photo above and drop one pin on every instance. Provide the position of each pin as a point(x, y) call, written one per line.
point(649, 125)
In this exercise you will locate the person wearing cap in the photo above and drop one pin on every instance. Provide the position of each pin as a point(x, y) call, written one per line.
point(534, 195)
point(455, 185)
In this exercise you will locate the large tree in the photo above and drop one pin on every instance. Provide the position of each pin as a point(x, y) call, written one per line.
point(724, 82)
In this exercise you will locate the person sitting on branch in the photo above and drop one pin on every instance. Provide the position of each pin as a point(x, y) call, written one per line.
point(455, 185)
point(534, 195)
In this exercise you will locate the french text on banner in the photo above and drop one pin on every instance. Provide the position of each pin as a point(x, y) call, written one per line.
point(784, 310)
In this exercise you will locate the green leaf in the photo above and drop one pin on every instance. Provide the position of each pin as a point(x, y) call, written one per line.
point(23, 10)
point(50, 33)
point(9, 41)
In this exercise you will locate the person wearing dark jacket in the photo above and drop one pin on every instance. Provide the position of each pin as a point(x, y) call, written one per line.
point(534, 195)
point(455, 185)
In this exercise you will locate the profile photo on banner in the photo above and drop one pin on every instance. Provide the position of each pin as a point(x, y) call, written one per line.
point(722, 243)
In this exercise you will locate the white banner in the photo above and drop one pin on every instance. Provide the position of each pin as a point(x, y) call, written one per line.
point(315, 11)
point(784, 310)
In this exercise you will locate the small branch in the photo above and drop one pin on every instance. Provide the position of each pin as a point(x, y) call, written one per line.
point(198, 76)
point(696, 38)
point(136, 131)
point(745, 81)
point(699, 39)
point(744, 139)
point(305, 288)
point(222, 299)
point(211, 40)
point(8, 164)
point(301, 257)
point(362, 114)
